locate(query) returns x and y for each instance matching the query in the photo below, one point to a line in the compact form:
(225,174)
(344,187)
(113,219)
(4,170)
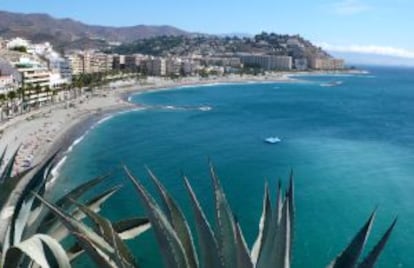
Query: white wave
(106,118)
(129,98)
(75,142)
(55,171)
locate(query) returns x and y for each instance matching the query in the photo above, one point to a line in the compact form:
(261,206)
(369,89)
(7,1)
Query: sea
(349,139)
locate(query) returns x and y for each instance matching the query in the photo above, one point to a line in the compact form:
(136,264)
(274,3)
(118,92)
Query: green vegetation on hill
(265,43)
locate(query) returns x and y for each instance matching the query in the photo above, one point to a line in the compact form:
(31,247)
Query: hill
(68,33)
(263,43)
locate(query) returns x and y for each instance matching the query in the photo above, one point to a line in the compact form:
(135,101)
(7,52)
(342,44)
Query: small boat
(273,140)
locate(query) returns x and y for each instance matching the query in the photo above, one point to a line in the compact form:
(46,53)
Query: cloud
(350,7)
(371,49)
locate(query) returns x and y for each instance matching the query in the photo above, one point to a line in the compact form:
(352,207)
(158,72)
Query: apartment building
(327,64)
(98,62)
(7,83)
(156,66)
(76,63)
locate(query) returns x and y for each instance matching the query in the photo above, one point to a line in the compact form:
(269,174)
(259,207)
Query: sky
(378,27)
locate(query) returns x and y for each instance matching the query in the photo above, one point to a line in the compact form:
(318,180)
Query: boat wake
(203,108)
(332,84)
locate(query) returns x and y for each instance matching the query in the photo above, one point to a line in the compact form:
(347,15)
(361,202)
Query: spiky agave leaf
(59,231)
(9,194)
(225,224)
(25,202)
(177,220)
(264,225)
(7,187)
(8,169)
(243,254)
(207,242)
(75,194)
(126,229)
(290,195)
(267,255)
(41,249)
(97,248)
(373,256)
(226,236)
(171,247)
(131,228)
(124,257)
(349,257)
(282,242)
(3,154)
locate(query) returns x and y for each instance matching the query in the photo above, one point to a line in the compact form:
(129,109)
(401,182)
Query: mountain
(353,58)
(68,33)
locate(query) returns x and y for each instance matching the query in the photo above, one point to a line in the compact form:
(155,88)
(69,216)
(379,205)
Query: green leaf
(131,228)
(96,247)
(264,225)
(225,224)
(276,247)
(282,244)
(170,245)
(210,256)
(75,194)
(123,255)
(373,256)
(26,201)
(34,248)
(177,220)
(8,169)
(3,154)
(291,196)
(126,229)
(349,257)
(59,232)
(243,256)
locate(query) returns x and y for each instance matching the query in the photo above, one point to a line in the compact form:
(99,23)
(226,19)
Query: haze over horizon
(340,26)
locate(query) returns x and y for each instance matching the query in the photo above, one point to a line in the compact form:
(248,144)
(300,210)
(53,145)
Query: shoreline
(56,127)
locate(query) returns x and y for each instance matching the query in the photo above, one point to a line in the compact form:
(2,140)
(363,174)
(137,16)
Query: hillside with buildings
(67,33)
(32,72)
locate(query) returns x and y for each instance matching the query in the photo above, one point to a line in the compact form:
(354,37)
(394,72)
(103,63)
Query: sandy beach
(41,132)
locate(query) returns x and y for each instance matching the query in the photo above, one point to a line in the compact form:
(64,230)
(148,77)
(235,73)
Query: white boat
(273,140)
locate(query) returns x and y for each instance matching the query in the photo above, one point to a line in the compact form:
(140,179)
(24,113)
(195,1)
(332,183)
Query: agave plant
(31,235)
(224,245)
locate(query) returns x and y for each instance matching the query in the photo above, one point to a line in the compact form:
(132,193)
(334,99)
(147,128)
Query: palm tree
(11,96)
(27,91)
(3,99)
(20,94)
(38,90)
(48,91)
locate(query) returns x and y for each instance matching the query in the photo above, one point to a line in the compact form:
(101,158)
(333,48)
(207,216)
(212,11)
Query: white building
(76,63)
(35,80)
(7,83)
(18,42)
(267,62)
(60,69)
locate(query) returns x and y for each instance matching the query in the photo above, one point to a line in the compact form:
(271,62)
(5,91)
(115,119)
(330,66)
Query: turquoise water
(351,148)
